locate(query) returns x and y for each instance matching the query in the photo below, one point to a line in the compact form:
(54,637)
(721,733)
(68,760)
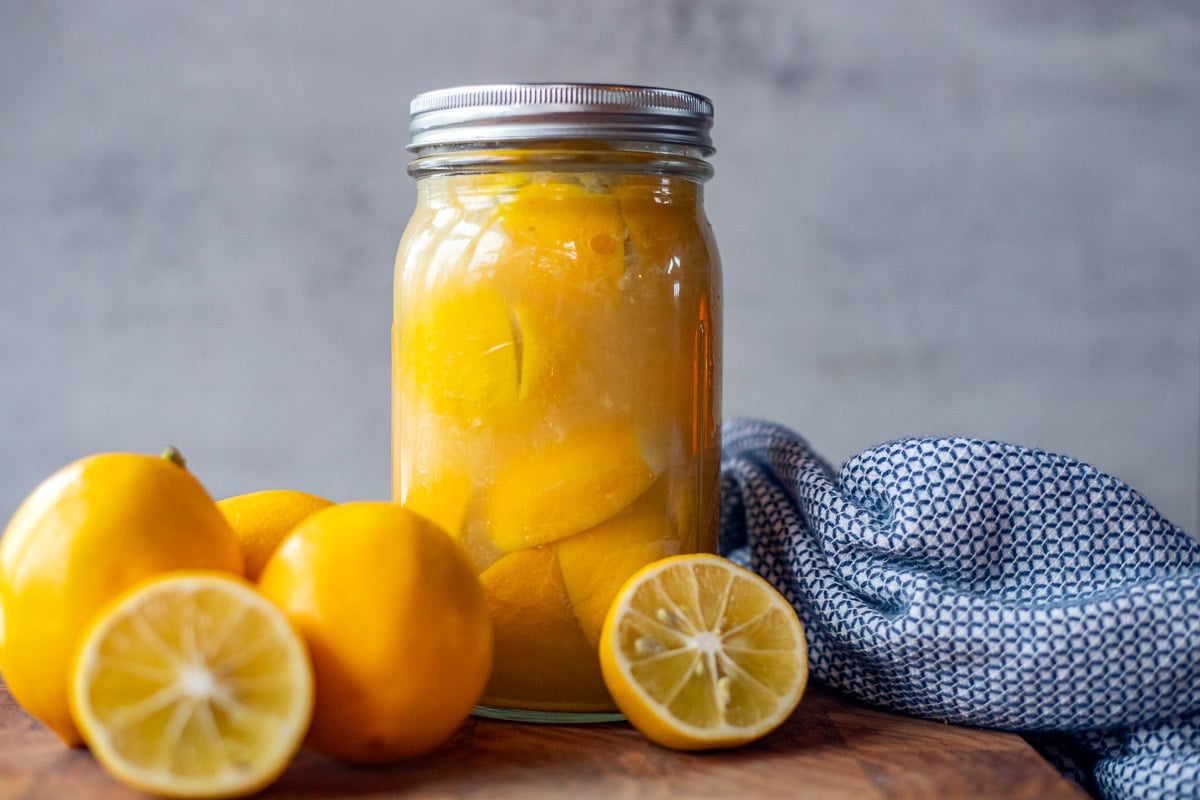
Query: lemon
(546,493)
(396,624)
(464,352)
(564,238)
(543,661)
(474,355)
(191,684)
(700,653)
(596,563)
(260,520)
(84,535)
(441,498)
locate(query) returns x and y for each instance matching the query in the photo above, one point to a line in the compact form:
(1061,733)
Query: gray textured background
(977,218)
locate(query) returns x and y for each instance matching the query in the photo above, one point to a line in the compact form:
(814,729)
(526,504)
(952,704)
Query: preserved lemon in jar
(557,360)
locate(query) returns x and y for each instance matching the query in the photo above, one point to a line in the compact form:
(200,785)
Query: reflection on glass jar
(556,360)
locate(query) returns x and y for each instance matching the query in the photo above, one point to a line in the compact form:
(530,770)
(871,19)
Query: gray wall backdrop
(936,216)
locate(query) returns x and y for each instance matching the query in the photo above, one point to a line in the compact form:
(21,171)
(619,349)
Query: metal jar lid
(510,112)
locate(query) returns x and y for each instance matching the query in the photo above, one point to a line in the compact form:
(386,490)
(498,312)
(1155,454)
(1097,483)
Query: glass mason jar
(557,360)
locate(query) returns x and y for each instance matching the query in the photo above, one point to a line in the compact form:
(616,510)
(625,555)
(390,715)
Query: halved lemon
(192,684)
(699,653)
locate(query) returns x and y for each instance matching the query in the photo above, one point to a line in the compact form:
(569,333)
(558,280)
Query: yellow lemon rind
(397,626)
(262,519)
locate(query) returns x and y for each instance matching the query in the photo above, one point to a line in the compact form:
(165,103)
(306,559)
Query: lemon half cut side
(699,653)
(192,684)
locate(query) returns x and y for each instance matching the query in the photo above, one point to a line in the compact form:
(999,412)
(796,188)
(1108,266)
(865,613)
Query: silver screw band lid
(511,112)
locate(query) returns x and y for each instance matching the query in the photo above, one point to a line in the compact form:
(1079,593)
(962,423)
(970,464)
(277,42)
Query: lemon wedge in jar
(543,659)
(548,492)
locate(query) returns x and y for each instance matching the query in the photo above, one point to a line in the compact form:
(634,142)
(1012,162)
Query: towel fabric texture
(987,585)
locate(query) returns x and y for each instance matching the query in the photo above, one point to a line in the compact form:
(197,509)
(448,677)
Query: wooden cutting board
(830,748)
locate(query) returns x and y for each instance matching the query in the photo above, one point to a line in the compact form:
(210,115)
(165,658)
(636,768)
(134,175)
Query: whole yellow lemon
(260,521)
(84,535)
(396,624)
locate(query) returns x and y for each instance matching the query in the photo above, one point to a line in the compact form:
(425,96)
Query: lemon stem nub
(173,455)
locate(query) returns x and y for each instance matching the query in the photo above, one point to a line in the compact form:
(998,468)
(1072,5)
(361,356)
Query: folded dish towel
(988,585)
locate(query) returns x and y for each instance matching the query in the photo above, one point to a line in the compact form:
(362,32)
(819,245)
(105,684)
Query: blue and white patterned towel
(988,585)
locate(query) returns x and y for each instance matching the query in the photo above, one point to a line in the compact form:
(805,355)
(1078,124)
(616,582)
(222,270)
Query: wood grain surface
(830,748)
